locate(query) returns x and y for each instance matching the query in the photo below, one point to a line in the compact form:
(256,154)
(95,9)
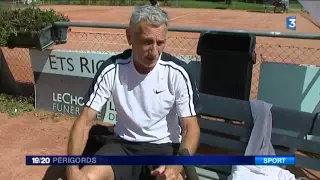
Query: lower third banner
(160,160)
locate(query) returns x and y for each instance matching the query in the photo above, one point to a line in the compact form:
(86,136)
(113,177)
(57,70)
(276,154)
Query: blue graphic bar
(160,160)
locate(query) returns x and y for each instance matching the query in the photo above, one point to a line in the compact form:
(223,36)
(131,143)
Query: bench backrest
(234,137)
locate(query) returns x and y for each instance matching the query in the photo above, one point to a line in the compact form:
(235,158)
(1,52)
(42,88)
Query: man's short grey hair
(152,15)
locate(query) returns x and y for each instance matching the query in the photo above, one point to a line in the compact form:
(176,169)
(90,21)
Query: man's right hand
(74,173)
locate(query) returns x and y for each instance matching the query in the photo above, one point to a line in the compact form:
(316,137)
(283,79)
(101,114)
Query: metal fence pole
(195,30)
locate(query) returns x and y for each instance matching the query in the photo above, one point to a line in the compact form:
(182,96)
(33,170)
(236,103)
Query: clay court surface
(210,18)
(43,133)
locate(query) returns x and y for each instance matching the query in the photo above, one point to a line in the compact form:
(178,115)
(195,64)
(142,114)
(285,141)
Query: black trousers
(103,142)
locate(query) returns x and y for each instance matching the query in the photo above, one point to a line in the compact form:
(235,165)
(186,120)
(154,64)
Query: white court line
(181,16)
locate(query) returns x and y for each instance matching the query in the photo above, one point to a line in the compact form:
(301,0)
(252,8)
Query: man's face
(148,43)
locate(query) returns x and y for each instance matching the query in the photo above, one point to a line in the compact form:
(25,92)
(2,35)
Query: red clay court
(203,18)
(34,133)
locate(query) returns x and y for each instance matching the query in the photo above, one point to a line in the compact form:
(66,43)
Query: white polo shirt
(147,105)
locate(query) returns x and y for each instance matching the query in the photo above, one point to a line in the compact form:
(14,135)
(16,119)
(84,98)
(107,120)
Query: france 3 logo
(291,23)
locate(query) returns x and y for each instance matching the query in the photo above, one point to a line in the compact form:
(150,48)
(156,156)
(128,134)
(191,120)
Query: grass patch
(14,105)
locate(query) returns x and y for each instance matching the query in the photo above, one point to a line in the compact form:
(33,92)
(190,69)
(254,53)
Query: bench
(22,1)
(234,136)
(269,4)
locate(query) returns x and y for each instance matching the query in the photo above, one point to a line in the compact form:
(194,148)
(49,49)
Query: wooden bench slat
(299,121)
(204,178)
(303,161)
(223,127)
(219,107)
(221,142)
(221,169)
(234,109)
(242,131)
(307,162)
(294,142)
(206,174)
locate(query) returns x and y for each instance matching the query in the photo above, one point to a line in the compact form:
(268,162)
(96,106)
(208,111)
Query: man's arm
(80,131)
(187,103)
(79,136)
(190,134)
(98,94)
(186,99)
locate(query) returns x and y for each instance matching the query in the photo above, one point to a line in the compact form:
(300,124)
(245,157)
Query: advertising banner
(62,79)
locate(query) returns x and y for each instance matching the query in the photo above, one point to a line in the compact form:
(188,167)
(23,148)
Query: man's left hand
(168,172)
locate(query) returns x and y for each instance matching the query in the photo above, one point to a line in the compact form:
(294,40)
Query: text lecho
(67,103)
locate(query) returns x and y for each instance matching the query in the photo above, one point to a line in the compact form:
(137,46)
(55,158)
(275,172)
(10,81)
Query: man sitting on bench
(154,3)
(155,99)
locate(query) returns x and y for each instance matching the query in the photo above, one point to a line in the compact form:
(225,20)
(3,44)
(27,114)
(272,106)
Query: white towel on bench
(260,144)
(260,173)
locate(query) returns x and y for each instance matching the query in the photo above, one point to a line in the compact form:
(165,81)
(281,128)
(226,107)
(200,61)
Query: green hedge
(28,19)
